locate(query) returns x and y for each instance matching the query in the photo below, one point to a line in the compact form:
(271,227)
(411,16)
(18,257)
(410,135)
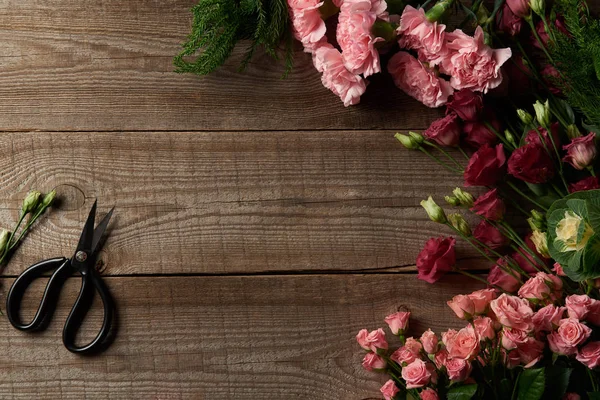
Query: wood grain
(224,338)
(107,65)
(228,202)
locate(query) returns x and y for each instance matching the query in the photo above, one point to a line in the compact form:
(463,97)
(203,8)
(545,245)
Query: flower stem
(448,155)
(516,189)
(443,164)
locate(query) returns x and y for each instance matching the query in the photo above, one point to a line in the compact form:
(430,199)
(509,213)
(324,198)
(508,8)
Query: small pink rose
(558,269)
(589,355)
(389,390)
(407,353)
(372,341)
(578,306)
(429,340)
(546,318)
(398,322)
(530,351)
(513,338)
(513,312)
(570,334)
(373,362)
(543,287)
(481,300)
(440,358)
(593,316)
(484,326)
(458,369)
(448,336)
(361,338)
(465,344)
(416,374)
(581,152)
(429,394)
(462,306)
(490,206)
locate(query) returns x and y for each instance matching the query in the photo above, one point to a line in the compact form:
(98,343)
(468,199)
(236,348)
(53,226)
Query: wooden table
(259,224)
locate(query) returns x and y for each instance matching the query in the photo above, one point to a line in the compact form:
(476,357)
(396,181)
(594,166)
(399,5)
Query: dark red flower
(436,259)
(531,163)
(533,136)
(479,134)
(508,22)
(444,131)
(466,104)
(490,235)
(551,77)
(589,183)
(490,206)
(486,166)
(540,28)
(519,75)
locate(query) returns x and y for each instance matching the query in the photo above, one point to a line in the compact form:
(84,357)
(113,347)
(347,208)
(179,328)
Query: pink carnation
(309,27)
(355,38)
(348,86)
(471,63)
(417,81)
(418,33)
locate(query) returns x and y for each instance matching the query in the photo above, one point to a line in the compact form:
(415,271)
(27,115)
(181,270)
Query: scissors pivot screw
(81,256)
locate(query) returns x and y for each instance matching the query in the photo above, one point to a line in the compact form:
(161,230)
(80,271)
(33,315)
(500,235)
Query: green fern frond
(218,25)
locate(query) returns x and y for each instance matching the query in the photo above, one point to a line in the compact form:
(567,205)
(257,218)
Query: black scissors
(83,262)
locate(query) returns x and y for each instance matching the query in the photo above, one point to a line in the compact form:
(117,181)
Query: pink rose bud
(440,358)
(416,374)
(398,322)
(490,206)
(407,353)
(373,362)
(462,306)
(448,337)
(389,390)
(581,151)
(481,300)
(466,104)
(444,131)
(372,341)
(589,355)
(465,344)
(578,306)
(546,318)
(429,340)
(458,369)
(513,312)
(502,279)
(484,327)
(558,269)
(513,338)
(542,287)
(361,338)
(429,394)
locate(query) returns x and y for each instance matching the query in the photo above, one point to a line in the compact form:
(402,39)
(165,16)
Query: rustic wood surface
(259,224)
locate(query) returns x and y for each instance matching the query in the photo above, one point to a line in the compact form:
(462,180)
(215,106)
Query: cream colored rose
(566,232)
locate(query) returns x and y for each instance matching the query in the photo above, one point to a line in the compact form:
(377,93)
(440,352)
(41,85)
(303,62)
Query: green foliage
(557,381)
(464,392)
(577,58)
(218,25)
(531,384)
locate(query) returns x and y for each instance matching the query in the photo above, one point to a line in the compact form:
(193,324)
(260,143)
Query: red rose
(436,259)
(589,183)
(531,163)
(444,131)
(533,136)
(486,166)
(490,235)
(508,22)
(466,104)
(490,206)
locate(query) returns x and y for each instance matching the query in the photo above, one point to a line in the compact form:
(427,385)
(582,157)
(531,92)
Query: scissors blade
(87,235)
(100,229)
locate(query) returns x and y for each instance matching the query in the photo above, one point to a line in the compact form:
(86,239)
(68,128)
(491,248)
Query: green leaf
(464,392)
(594,395)
(567,110)
(557,381)
(591,258)
(531,384)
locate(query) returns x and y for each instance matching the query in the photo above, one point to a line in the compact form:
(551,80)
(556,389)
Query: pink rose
(478,134)
(407,353)
(448,336)
(511,358)
(308,26)
(530,351)
(416,32)
(372,341)
(593,316)
(458,369)
(489,235)
(354,36)
(440,358)
(471,63)
(429,394)
(348,86)
(484,327)
(373,362)
(570,334)
(519,7)
(481,299)
(417,81)
(490,206)
(436,259)
(465,344)
(389,390)
(581,151)
(558,269)
(416,374)
(546,318)
(499,277)
(508,22)
(578,306)
(466,104)
(589,183)
(429,340)
(589,355)
(512,338)
(543,287)
(462,306)
(513,312)
(398,322)
(444,131)
(486,166)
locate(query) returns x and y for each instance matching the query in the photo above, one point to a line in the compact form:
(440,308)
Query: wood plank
(107,65)
(228,202)
(224,338)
